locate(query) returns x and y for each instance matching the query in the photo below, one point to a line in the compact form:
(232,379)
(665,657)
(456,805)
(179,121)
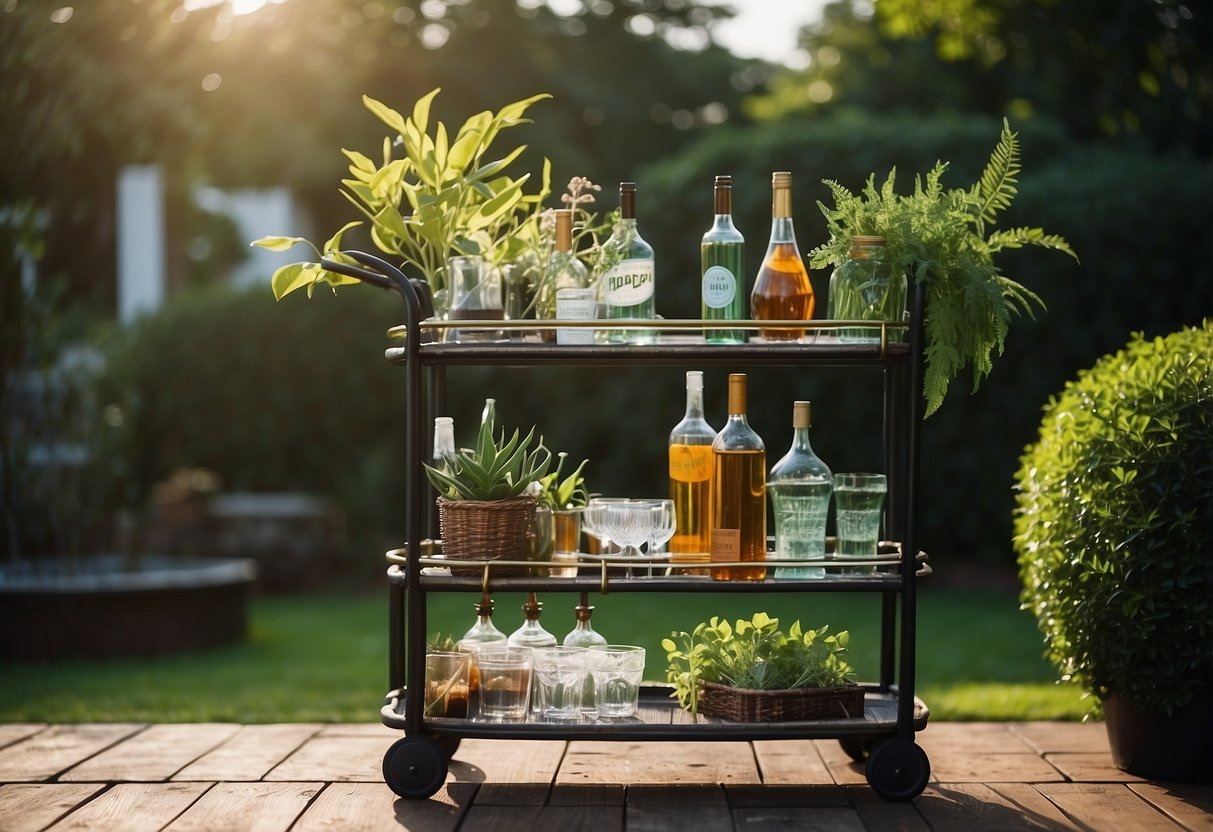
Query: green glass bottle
(722,267)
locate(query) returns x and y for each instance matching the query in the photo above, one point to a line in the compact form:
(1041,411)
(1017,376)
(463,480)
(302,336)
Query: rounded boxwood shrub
(1114,523)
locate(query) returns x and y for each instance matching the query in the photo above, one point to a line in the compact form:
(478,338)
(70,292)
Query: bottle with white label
(722,264)
(627,287)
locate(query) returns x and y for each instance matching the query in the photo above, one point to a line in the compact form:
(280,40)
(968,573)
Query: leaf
(278,243)
(998,180)
(289,278)
(421,110)
(385,114)
(334,243)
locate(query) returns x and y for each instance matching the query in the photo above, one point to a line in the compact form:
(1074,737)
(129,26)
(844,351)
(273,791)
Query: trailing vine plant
(944,239)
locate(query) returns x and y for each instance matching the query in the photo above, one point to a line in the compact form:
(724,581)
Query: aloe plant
(494,469)
(443,197)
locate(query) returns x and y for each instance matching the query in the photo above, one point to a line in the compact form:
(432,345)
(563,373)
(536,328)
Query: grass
(325,658)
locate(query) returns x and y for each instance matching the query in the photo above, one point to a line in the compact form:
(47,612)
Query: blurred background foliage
(1114,102)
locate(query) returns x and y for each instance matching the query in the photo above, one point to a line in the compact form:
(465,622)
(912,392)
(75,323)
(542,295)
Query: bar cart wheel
(898,769)
(857,748)
(415,767)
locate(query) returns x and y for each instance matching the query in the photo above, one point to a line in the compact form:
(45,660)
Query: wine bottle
(627,287)
(690,452)
(782,290)
(800,485)
(564,270)
(722,263)
(739,494)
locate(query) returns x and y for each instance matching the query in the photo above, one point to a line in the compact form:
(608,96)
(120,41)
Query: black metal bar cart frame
(883,737)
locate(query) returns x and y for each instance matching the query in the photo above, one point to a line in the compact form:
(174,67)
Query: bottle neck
(782,230)
(694,403)
(800,440)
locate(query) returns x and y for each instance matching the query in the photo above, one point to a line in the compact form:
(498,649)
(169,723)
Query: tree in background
(1124,69)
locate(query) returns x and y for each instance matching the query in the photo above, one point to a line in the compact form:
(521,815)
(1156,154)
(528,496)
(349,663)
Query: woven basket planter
(747,705)
(486,530)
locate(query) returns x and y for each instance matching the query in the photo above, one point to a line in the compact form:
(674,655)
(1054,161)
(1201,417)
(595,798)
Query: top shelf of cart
(836,343)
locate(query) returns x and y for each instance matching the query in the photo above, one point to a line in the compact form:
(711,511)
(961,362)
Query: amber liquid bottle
(690,452)
(782,290)
(739,493)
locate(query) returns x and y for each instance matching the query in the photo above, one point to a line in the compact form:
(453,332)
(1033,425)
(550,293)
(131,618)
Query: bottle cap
(867,240)
(802,414)
(736,393)
(695,381)
(781,179)
(722,195)
(532,608)
(564,229)
(627,200)
(484,606)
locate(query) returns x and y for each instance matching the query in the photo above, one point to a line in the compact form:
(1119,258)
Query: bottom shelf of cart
(659,718)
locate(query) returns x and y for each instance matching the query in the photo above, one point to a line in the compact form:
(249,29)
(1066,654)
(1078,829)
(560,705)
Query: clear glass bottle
(722,268)
(628,286)
(739,494)
(564,269)
(484,631)
(444,443)
(782,290)
(532,634)
(864,288)
(800,486)
(583,634)
(489,414)
(690,452)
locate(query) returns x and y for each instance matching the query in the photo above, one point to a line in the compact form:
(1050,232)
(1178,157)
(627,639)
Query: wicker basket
(748,705)
(486,530)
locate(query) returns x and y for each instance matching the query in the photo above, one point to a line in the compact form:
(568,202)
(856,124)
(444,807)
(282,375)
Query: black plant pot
(1178,748)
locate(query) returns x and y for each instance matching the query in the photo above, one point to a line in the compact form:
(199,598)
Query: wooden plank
(361,729)
(152,755)
(133,807)
(658,808)
(513,794)
(965,807)
(659,763)
(1091,768)
(1106,806)
(586,794)
(1071,737)
(879,814)
(790,761)
(17,731)
(334,759)
(783,796)
(372,807)
(247,807)
(508,761)
(799,820)
(987,767)
(844,770)
(1189,806)
(532,818)
(947,738)
(49,752)
(249,754)
(28,807)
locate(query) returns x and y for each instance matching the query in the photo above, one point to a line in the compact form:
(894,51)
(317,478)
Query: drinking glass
(630,524)
(858,500)
(617,670)
(505,683)
(447,684)
(475,295)
(560,674)
(593,520)
(663,524)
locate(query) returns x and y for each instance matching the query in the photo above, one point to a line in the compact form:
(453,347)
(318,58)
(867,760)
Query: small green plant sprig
(563,494)
(494,469)
(756,655)
(939,237)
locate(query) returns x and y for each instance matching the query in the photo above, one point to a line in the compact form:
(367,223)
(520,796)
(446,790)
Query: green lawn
(325,658)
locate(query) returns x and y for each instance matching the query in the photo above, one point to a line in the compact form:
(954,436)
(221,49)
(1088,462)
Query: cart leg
(898,769)
(415,767)
(448,744)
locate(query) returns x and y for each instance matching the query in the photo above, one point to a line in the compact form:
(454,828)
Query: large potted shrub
(1114,535)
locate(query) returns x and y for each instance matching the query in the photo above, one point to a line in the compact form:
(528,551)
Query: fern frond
(1025,236)
(998,180)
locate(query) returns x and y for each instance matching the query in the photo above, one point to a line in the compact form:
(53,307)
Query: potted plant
(1114,535)
(484,511)
(943,239)
(754,672)
(558,513)
(443,197)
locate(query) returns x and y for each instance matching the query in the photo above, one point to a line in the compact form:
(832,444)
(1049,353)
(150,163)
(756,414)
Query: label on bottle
(690,463)
(726,545)
(628,283)
(719,287)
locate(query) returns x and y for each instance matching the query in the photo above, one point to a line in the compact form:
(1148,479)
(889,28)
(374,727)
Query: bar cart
(416,766)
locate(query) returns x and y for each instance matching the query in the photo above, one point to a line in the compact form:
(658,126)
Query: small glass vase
(864,287)
(475,295)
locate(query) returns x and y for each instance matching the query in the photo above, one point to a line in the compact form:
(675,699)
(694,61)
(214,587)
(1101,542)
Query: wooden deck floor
(214,777)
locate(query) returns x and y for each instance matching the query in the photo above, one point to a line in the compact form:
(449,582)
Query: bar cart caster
(898,769)
(416,767)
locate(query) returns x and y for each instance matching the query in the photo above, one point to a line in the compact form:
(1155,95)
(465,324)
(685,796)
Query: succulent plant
(494,470)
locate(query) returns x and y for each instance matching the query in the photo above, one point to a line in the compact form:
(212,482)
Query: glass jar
(864,287)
